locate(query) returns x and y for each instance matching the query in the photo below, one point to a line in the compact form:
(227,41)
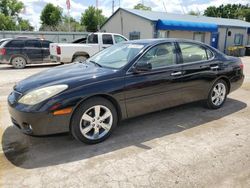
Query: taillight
(58,50)
(2,51)
(241,66)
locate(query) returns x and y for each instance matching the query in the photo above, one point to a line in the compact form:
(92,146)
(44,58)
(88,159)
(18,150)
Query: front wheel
(217,95)
(94,120)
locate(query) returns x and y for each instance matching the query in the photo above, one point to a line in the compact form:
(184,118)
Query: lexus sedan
(129,79)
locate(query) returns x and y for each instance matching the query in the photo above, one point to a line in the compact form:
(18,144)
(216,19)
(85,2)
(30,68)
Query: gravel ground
(186,146)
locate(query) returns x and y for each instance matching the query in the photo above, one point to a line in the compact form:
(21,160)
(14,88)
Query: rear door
(199,70)
(107,40)
(33,49)
(158,88)
(45,50)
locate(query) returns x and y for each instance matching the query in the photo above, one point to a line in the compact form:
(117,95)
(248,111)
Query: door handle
(176,73)
(214,67)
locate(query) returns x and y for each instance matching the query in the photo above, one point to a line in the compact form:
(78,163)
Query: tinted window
(45,43)
(117,55)
(119,39)
(15,44)
(160,56)
(107,39)
(93,39)
(192,52)
(210,55)
(33,44)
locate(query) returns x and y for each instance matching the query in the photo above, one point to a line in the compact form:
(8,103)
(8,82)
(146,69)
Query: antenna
(164,6)
(181,4)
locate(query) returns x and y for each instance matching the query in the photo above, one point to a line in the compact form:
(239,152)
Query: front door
(214,40)
(155,89)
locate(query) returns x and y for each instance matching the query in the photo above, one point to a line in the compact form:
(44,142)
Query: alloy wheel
(96,122)
(218,94)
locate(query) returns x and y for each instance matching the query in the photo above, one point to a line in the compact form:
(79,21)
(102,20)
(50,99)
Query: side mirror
(142,67)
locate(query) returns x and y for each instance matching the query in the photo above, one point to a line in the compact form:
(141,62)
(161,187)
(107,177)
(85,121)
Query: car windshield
(117,55)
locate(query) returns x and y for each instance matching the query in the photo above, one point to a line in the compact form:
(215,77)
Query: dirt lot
(187,146)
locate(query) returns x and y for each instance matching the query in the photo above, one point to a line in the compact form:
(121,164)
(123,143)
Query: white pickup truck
(95,42)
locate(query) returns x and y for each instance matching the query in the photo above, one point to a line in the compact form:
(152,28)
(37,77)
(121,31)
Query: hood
(83,73)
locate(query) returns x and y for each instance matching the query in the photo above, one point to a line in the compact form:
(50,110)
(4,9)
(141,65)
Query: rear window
(33,44)
(192,52)
(93,39)
(107,39)
(15,44)
(45,43)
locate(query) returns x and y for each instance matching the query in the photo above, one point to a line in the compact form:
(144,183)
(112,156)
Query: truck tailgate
(52,48)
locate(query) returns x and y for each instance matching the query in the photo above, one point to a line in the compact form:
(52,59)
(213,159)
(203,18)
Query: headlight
(39,95)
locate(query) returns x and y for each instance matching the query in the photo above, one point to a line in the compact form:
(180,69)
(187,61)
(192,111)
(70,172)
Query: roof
(155,16)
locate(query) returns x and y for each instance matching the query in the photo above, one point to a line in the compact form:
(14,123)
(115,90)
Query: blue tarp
(185,26)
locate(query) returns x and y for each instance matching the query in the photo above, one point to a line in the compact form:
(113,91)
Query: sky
(33,8)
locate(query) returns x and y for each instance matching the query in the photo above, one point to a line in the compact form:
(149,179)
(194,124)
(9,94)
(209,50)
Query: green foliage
(9,16)
(140,6)
(51,16)
(24,25)
(74,25)
(7,23)
(194,13)
(234,11)
(11,7)
(91,18)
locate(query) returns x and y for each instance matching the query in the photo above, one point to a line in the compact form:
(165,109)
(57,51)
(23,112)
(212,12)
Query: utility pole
(113,7)
(97,12)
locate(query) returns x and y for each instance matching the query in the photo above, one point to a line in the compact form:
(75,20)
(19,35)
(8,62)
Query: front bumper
(39,123)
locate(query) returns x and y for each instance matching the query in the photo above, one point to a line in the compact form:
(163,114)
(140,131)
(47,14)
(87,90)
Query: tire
(80,58)
(90,128)
(18,62)
(217,95)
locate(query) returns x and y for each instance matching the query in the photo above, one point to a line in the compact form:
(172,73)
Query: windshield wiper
(95,63)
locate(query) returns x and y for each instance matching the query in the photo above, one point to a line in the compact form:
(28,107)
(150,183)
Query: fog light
(27,127)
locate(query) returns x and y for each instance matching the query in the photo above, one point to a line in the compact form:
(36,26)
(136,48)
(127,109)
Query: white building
(218,32)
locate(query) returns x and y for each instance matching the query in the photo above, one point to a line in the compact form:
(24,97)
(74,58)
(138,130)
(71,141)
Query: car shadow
(30,66)
(34,152)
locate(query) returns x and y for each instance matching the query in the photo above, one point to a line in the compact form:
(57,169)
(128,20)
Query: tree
(7,23)
(74,25)
(194,13)
(140,6)
(11,7)
(226,11)
(51,16)
(24,25)
(9,16)
(91,18)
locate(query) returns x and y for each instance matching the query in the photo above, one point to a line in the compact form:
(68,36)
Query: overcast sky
(33,7)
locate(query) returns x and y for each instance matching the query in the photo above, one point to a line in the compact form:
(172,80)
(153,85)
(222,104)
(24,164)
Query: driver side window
(160,56)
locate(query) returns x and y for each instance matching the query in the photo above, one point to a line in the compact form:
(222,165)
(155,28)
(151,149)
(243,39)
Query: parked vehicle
(125,80)
(22,51)
(95,42)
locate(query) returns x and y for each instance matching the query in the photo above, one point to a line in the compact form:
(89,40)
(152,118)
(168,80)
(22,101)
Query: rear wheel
(80,58)
(217,95)
(18,62)
(94,120)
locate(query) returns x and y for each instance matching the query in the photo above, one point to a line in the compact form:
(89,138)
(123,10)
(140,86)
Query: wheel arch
(21,55)
(224,78)
(80,54)
(105,96)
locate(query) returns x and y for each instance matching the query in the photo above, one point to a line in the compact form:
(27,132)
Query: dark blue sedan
(125,80)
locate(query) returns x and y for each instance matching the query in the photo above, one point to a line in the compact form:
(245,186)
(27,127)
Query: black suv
(21,51)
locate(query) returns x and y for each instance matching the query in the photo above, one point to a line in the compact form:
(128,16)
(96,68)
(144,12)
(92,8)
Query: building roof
(155,16)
